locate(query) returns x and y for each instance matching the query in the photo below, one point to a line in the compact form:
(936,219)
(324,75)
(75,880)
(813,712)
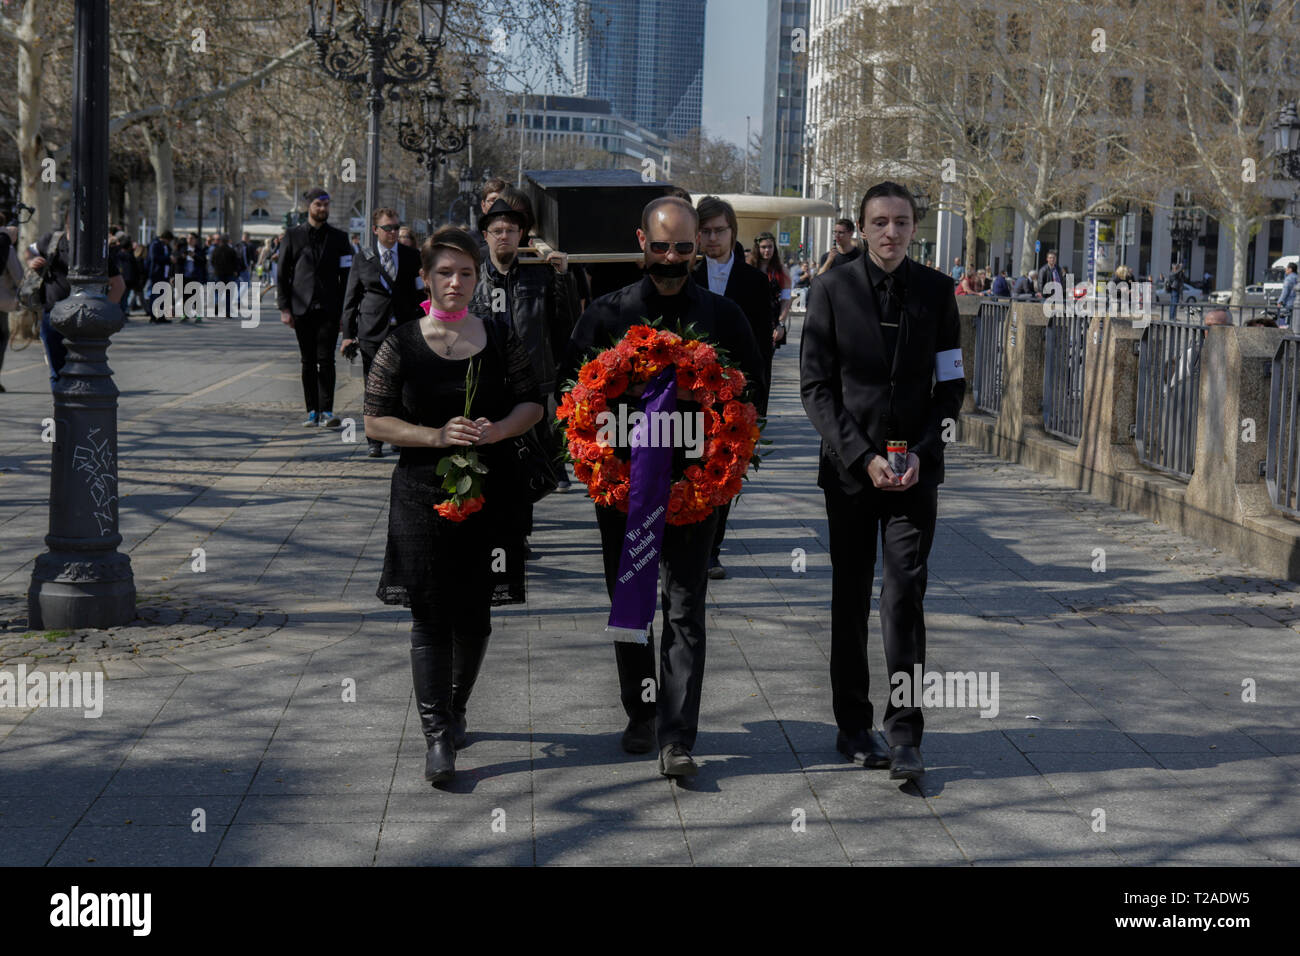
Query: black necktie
(891,310)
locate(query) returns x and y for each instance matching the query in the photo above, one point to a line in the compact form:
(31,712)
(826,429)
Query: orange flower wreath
(731,429)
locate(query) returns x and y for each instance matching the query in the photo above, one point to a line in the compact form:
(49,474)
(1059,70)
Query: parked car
(1190,294)
(1255,295)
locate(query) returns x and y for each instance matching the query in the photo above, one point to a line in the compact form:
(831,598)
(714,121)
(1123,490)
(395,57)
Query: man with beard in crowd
(669,238)
(315,259)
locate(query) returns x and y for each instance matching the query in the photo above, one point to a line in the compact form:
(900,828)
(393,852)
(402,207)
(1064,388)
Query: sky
(735,37)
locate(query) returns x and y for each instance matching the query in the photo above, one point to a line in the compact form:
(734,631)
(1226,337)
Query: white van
(1276,273)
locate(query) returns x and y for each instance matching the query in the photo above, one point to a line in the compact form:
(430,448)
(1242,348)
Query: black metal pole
(82,580)
(431,163)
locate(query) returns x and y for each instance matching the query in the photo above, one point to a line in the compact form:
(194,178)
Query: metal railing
(1169,376)
(986,383)
(1065,344)
(1282,462)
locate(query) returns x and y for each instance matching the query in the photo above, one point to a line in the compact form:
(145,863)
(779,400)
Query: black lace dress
(430,560)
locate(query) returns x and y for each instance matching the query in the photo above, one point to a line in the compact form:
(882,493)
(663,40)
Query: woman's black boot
(467,660)
(431,674)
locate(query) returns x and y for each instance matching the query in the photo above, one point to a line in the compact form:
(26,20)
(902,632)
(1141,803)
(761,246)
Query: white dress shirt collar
(719,272)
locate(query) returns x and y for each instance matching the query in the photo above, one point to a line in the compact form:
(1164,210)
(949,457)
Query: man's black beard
(668,270)
(507,258)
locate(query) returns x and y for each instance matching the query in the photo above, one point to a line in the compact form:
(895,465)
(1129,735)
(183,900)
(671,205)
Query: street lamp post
(1185,222)
(83,580)
(1286,148)
(376,58)
(439,134)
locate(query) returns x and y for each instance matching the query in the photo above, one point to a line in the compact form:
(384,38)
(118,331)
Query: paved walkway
(1120,691)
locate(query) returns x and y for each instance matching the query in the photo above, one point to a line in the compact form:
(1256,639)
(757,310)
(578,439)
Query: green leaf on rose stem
(479,467)
(449,483)
(444,466)
(464,485)
(460,461)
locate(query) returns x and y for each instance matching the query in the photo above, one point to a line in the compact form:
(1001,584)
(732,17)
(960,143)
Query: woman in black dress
(450,573)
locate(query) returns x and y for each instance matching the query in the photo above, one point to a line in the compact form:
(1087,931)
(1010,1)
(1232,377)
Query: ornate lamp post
(1286,149)
(922,203)
(1286,141)
(439,133)
(1185,222)
(83,580)
(374,57)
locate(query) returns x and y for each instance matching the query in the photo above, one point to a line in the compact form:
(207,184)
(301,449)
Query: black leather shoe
(639,737)
(675,761)
(440,760)
(716,571)
(864,747)
(905,762)
(376,451)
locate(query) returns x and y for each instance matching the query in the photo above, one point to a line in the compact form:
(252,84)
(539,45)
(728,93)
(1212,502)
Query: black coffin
(589,210)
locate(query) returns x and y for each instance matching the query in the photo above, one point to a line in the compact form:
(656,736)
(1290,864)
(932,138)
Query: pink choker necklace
(442,316)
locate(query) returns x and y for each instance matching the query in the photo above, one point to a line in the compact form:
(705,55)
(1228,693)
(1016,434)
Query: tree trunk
(32,46)
(1028,236)
(160,158)
(1240,226)
(130,206)
(968,260)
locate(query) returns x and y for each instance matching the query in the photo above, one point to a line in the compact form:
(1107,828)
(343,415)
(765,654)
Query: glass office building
(646,57)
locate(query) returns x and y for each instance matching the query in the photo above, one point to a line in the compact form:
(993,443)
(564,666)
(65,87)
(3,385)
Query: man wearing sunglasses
(381,294)
(669,237)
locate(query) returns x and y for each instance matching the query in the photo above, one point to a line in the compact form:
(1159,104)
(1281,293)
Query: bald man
(670,238)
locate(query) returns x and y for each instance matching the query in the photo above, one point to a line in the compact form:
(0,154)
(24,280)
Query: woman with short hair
(450,572)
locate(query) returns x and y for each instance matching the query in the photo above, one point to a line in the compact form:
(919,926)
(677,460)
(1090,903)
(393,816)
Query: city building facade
(650,75)
(784,96)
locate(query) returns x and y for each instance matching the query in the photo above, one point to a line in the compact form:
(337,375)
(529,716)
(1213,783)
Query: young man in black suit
(724,272)
(669,237)
(381,294)
(314,262)
(880,361)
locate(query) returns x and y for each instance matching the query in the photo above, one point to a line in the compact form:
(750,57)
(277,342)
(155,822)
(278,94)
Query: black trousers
(317,333)
(368,352)
(683,587)
(904,521)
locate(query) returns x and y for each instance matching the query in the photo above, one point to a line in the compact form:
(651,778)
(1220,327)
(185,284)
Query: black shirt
(890,317)
(841,257)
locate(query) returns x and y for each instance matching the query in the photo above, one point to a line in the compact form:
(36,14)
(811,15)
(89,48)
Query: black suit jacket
(857,397)
(749,289)
(372,298)
(304,281)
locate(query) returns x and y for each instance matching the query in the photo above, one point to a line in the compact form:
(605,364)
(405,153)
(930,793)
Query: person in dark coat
(314,261)
(724,272)
(669,237)
(381,295)
(540,300)
(880,362)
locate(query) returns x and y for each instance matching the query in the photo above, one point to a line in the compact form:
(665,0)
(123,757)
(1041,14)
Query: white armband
(947,365)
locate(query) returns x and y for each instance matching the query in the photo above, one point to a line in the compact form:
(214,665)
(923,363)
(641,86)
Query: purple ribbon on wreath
(637,585)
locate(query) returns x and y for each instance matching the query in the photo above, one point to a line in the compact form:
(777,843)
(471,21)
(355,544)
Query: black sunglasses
(661,246)
(392,228)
